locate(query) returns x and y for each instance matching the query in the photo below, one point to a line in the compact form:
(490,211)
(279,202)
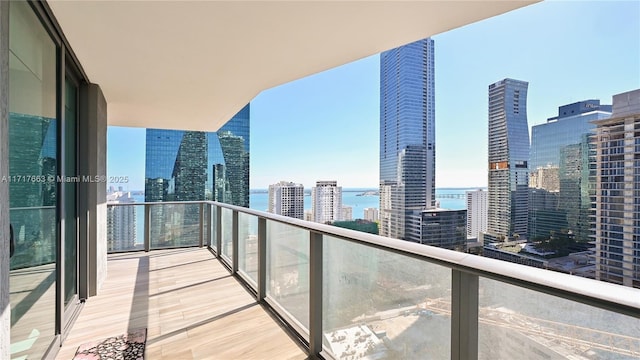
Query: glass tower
(407,137)
(194,165)
(508,160)
(561,183)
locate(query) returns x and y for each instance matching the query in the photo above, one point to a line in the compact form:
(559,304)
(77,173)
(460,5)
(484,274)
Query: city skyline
(344,100)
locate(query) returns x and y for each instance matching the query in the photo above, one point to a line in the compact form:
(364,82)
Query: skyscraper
(326,201)
(476,213)
(407,137)
(190,168)
(561,182)
(228,175)
(508,160)
(194,165)
(121,223)
(617,217)
(287,198)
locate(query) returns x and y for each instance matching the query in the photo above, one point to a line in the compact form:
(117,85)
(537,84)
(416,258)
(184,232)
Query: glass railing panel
(287,275)
(248,246)
(227,234)
(125,228)
(517,323)
(382,305)
(174,225)
(206,224)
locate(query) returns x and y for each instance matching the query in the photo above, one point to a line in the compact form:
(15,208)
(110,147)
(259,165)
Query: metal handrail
(620,299)
(33,208)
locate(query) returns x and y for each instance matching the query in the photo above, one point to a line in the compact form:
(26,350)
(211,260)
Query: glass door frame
(69,311)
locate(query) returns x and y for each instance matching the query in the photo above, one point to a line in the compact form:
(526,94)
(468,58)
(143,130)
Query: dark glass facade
(444,228)
(195,165)
(508,160)
(407,137)
(561,185)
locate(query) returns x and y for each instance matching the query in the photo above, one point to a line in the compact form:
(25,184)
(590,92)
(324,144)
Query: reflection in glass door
(33,197)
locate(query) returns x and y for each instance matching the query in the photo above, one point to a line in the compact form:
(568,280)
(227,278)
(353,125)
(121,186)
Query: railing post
(201,222)
(262,259)
(464,316)
(218,230)
(315,294)
(234,242)
(147,227)
(209,226)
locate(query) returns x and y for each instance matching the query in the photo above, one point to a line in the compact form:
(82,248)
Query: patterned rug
(124,347)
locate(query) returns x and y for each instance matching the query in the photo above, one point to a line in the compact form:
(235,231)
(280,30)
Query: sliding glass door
(33,192)
(43,184)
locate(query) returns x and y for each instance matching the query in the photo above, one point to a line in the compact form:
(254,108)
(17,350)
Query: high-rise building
(347,213)
(121,222)
(287,198)
(617,213)
(326,201)
(407,137)
(444,228)
(561,178)
(508,160)
(195,165)
(476,213)
(371,214)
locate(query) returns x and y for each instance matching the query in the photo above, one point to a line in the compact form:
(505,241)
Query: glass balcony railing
(351,295)
(125,227)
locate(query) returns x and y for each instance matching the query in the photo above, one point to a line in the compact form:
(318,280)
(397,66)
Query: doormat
(124,347)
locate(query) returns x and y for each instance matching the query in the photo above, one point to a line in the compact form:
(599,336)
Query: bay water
(259,200)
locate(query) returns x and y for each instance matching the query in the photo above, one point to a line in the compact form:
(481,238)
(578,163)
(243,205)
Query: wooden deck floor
(190,304)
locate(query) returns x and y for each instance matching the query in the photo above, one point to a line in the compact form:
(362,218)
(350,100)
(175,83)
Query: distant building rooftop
(580,107)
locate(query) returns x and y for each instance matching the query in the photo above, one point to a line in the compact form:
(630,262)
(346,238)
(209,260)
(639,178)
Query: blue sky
(326,125)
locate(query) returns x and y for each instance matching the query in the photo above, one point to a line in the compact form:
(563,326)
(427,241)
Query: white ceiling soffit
(193,64)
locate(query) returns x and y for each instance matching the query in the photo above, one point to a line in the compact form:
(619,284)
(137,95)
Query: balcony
(190,304)
(220,281)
